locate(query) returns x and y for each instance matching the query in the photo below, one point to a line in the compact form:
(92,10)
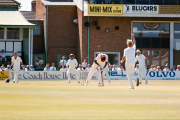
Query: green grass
(60,100)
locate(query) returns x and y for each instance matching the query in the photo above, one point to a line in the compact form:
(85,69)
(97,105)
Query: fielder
(16,61)
(142,70)
(129,56)
(72,63)
(101,60)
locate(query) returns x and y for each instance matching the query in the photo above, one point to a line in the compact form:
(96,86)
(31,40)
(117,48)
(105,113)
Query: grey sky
(25,5)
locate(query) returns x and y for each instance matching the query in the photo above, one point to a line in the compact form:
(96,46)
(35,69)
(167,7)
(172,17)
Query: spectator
(158,68)
(67,68)
(8,68)
(23,68)
(114,68)
(178,68)
(120,68)
(155,67)
(88,68)
(152,68)
(27,68)
(80,68)
(3,55)
(166,68)
(62,62)
(84,64)
(110,68)
(47,67)
(174,68)
(2,68)
(63,69)
(137,68)
(37,61)
(53,68)
(146,67)
(31,68)
(41,61)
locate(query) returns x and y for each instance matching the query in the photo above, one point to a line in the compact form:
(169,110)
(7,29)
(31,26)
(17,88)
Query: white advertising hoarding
(57,75)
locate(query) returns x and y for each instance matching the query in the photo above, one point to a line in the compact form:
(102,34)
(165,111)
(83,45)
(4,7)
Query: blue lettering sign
(113,73)
(152,75)
(158,74)
(172,74)
(165,75)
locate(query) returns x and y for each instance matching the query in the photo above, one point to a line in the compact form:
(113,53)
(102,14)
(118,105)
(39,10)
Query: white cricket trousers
(142,72)
(100,78)
(70,70)
(130,73)
(90,74)
(16,73)
(106,72)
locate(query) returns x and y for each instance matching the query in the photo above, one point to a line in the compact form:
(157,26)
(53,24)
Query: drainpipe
(46,30)
(88,41)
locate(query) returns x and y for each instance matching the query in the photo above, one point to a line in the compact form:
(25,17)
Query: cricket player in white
(142,70)
(106,72)
(72,63)
(129,56)
(101,60)
(16,61)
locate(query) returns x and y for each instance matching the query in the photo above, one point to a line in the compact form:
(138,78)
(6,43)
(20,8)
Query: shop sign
(169,9)
(152,9)
(105,9)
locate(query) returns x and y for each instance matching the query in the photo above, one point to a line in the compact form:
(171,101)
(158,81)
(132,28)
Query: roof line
(17,2)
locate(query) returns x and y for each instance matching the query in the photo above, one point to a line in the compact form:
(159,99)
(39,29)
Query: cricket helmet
(103,58)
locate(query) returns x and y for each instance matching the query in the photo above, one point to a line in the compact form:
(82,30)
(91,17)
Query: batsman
(101,60)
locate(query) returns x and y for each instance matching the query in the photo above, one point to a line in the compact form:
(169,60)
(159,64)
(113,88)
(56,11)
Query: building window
(13,33)
(113,57)
(1,33)
(38,30)
(153,40)
(177,30)
(152,35)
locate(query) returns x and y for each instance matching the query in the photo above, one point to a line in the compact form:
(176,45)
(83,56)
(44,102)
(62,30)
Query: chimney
(33,5)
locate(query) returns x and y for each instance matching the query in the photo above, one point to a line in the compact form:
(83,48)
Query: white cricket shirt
(129,53)
(141,59)
(72,63)
(16,62)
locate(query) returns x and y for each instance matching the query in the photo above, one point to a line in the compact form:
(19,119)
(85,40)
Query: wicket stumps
(83,78)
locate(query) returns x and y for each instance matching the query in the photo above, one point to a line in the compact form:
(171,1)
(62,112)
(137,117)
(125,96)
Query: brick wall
(41,14)
(38,43)
(33,6)
(83,35)
(62,32)
(115,41)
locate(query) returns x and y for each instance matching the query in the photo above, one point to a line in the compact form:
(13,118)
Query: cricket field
(60,100)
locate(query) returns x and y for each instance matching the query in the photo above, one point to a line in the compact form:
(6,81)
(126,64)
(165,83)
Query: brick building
(106,27)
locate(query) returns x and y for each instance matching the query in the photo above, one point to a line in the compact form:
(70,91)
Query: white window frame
(110,53)
(4,35)
(20,35)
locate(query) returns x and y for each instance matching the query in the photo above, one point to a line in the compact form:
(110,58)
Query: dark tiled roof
(9,3)
(29,15)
